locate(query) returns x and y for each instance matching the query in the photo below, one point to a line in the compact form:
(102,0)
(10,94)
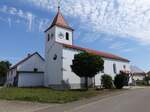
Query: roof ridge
(101,53)
(59,20)
(26,58)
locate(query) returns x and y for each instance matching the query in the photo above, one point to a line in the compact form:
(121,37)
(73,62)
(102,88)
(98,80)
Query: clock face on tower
(61,35)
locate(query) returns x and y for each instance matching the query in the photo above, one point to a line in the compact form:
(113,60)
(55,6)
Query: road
(133,101)
(136,100)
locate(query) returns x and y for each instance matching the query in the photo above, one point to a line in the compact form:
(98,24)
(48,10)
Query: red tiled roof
(28,57)
(59,21)
(102,54)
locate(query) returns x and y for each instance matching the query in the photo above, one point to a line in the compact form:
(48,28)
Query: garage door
(30,79)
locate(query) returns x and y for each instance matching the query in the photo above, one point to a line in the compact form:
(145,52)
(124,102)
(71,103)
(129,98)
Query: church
(54,69)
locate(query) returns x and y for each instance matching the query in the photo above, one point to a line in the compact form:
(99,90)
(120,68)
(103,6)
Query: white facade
(55,71)
(60,75)
(24,75)
(75,81)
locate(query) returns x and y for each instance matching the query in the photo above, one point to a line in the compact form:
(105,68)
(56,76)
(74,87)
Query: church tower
(59,30)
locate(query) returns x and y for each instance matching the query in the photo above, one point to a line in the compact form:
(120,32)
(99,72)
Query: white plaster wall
(30,79)
(34,62)
(72,78)
(11,75)
(63,40)
(53,68)
(49,44)
(108,66)
(68,75)
(29,65)
(108,69)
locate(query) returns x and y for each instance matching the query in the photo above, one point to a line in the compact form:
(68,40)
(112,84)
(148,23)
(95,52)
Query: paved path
(136,100)
(133,101)
(15,106)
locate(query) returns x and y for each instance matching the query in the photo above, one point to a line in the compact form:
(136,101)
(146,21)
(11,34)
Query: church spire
(58,8)
(59,21)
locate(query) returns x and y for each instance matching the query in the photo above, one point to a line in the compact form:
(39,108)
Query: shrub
(146,80)
(106,81)
(119,81)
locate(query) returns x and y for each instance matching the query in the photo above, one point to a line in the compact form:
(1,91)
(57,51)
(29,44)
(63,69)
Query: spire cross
(58,1)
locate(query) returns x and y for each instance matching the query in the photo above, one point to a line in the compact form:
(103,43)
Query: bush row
(120,80)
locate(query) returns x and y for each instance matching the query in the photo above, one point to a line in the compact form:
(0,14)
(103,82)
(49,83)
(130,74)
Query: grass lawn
(46,95)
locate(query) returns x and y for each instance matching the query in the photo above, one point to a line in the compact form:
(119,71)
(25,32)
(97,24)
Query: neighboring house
(59,53)
(29,72)
(148,73)
(137,73)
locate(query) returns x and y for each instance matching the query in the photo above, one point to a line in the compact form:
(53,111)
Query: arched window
(67,36)
(55,57)
(114,68)
(124,66)
(48,38)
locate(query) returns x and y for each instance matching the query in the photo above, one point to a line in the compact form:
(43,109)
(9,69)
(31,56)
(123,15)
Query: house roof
(100,53)
(135,69)
(59,21)
(25,59)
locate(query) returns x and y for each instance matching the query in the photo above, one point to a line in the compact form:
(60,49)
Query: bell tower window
(67,36)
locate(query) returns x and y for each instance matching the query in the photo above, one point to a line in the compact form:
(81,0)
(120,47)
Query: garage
(32,79)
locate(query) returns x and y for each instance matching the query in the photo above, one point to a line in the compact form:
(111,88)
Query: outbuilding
(28,72)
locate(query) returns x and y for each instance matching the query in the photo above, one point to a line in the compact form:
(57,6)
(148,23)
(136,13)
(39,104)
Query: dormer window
(67,36)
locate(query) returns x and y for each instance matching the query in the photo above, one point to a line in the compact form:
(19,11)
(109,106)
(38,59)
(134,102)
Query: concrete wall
(30,79)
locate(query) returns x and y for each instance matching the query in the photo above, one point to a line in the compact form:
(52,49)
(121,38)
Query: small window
(52,35)
(48,38)
(114,68)
(124,66)
(35,70)
(67,36)
(55,57)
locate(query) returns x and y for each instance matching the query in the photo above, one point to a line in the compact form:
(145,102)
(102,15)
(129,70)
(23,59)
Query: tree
(121,80)
(4,67)
(106,81)
(146,80)
(87,65)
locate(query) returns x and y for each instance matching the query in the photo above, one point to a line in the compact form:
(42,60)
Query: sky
(121,27)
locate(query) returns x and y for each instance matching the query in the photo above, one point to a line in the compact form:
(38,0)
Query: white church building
(54,70)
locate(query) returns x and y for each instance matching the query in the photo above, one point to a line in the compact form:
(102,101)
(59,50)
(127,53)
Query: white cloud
(128,50)
(28,17)
(117,45)
(127,18)
(9,22)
